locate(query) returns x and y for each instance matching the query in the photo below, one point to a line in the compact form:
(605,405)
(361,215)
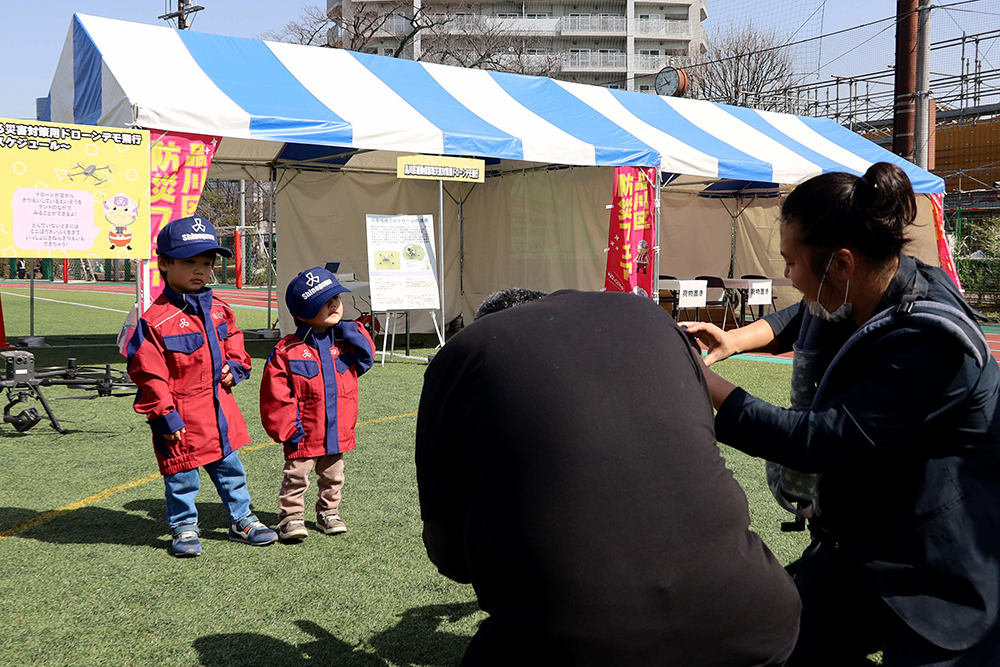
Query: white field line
(68,303)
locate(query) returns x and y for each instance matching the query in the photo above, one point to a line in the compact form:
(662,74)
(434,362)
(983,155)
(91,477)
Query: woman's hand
(721,344)
(175,436)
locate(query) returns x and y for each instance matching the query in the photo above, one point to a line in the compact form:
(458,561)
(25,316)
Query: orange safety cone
(3,332)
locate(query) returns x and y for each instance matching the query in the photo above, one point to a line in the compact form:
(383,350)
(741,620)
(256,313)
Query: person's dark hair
(869,214)
(507,298)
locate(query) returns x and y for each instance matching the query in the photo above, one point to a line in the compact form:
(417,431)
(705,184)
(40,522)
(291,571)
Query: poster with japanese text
(179,164)
(631,236)
(402,262)
(75,191)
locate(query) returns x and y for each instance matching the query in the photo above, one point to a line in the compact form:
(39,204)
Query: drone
(89,172)
(23,382)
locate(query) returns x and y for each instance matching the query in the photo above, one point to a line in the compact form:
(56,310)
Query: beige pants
(291,500)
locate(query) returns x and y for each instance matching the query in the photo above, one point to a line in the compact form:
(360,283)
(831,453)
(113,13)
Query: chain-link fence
(255,248)
(975,234)
(89,270)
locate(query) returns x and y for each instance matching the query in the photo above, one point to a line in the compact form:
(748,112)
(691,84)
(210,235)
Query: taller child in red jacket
(186,355)
(309,399)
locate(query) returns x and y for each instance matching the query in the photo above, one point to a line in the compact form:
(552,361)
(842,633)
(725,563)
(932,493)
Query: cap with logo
(312,288)
(188,237)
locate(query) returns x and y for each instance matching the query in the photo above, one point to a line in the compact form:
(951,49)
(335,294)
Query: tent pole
(441,255)
(656,224)
(270,246)
(461,256)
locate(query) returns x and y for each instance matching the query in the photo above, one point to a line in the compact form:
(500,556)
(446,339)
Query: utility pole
(184,8)
(922,122)
(906,78)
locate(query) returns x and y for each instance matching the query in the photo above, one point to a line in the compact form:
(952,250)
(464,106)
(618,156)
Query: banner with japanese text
(945,257)
(73,191)
(631,233)
(179,164)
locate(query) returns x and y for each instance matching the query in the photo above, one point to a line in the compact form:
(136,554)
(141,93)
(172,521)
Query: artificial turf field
(86,578)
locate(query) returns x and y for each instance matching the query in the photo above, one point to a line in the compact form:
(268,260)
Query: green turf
(97,586)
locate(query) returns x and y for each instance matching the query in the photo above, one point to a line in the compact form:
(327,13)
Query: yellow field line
(97,497)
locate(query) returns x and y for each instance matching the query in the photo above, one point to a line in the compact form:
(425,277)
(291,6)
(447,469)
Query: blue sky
(32,33)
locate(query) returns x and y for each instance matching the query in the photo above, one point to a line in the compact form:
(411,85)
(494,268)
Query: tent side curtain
(298,95)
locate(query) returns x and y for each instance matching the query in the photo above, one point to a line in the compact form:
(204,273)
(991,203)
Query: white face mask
(842,313)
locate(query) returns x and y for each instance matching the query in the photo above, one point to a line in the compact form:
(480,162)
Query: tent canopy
(309,105)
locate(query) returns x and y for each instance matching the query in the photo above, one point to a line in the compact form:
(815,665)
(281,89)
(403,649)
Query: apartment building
(619,44)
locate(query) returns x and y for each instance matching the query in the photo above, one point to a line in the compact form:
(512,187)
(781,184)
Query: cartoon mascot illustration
(120,211)
(642,257)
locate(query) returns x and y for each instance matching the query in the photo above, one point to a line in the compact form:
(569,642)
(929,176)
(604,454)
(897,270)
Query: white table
(754,291)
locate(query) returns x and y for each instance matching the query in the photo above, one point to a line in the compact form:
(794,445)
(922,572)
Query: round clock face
(667,82)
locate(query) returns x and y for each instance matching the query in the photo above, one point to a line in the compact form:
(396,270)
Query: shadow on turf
(143,525)
(416,640)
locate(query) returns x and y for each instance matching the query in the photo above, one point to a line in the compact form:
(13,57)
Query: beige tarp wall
(541,229)
(757,241)
(321,218)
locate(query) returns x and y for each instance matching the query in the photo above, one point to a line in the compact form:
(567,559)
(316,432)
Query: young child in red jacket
(186,354)
(309,399)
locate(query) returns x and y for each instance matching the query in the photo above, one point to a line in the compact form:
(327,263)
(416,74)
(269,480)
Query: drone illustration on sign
(89,172)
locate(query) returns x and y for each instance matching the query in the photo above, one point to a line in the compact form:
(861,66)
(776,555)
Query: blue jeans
(230,480)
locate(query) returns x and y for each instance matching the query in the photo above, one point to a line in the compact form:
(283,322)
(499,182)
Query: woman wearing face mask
(904,429)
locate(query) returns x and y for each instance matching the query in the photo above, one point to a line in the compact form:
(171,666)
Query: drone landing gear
(25,419)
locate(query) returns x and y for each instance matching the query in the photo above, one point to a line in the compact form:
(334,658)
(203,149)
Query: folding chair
(760,308)
(672,299)
(724,299)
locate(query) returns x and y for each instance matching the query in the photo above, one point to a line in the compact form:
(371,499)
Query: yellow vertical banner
(73,191)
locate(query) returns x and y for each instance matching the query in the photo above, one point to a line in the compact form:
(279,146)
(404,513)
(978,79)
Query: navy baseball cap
(307,293)
(188,237)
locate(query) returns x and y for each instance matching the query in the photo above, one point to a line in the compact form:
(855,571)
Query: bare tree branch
(743,67)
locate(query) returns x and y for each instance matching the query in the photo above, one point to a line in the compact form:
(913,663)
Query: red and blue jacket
(175,356)
(309,390)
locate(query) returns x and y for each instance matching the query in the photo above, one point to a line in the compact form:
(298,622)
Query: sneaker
(186,544)
(251,531)
(330,524)
(293,530)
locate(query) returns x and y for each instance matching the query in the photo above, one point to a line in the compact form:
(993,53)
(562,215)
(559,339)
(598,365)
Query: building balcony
(662,28)
(593,25)
(395,26)
(471,24)
(593,62)
(647,64)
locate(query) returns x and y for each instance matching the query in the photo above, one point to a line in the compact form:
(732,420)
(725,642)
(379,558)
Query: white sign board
(402,262)
(759,293)
(691,293)
(687,293)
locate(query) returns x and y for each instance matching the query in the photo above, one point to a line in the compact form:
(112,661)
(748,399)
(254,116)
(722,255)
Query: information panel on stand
(73,191)
(402,262)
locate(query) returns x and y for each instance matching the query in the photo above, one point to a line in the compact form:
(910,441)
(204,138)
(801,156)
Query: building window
(645,89)
(536,16)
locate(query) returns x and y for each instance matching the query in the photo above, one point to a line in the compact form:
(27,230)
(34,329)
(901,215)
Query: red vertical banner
(179,164)
(238,254)
(631,233)
(945,257)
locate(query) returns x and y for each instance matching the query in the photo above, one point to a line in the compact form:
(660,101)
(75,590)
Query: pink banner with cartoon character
(179,164)
(944,250)
(631,233)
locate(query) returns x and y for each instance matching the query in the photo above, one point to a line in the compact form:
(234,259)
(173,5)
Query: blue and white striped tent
(299,110)
(123,74)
